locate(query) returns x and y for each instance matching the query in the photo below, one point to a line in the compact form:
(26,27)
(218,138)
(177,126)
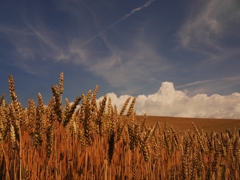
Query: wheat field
(90,140)
(184,123)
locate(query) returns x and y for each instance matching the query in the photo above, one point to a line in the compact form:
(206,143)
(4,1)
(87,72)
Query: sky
(179,58)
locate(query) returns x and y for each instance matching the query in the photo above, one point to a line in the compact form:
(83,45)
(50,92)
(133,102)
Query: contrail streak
(121,19)
(195,83)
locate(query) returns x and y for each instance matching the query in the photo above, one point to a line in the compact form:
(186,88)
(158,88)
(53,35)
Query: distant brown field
(217,125)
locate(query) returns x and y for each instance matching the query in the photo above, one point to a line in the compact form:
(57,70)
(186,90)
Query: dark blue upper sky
(126,47)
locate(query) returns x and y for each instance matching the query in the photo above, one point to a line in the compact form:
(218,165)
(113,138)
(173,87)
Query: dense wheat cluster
(90,140)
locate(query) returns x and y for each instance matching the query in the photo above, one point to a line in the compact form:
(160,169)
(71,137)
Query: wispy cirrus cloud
(232,78)
(32,45)
(131,68)
(209,28)
(194,83)
(211,86)
(30,42)
(225,79)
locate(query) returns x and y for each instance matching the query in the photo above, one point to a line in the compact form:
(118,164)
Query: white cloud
(120,100)
(171,102)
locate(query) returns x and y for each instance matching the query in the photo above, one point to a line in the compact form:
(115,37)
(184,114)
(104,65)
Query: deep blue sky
(125,46)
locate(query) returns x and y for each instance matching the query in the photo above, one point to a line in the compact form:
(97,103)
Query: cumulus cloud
(168,101)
